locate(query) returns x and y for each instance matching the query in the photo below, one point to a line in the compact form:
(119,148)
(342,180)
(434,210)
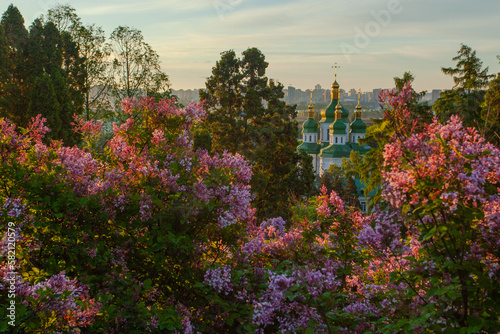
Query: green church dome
(358,126)
(338,127)
(328,114)
(310,126)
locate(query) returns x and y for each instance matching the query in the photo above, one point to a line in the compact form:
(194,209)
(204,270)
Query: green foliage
(333,180)
(246,116)
(5,68)
(44,54)
(13,24)
(467,96)
(351,193)
(15,88)
(491,112)
(136,65)
(468,74)
(43,100)
(342,181)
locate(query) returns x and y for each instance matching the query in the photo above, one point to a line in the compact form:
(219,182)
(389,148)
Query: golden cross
(335,67)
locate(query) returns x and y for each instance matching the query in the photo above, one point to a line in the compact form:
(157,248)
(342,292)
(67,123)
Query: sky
(372,41)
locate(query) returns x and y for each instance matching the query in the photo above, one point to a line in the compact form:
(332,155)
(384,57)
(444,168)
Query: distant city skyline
(371,40)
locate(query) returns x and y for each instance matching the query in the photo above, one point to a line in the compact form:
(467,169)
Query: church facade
(335,137)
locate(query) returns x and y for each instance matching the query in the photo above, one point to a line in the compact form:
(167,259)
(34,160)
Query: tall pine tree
(467,96)
(5,70)
(247,116)
(16,87)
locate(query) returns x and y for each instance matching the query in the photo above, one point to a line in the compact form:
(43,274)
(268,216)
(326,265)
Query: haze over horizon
(371,40)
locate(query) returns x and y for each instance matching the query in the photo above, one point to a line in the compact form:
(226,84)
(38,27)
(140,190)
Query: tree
(223,96)
(425,261)
(53,54)
(351,193)
(468,74)
(94,52)
(65,19)
(43,100)
(136,65)
(246,116)
(13,24)
(5,69)
(491,111)
(16,87)
(467,96)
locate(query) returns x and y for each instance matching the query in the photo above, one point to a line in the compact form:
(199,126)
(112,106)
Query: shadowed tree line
(59,67)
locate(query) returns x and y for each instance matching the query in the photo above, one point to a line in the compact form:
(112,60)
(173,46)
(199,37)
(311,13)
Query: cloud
(177,6)
(301,38)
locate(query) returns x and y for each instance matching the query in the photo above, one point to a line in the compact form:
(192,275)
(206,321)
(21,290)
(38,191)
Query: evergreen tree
(467,96)
(247,116)
(16,88)
(5,70)
(43,100)
(491,112)
(223,96)
(468,74)
(333,179)
(351,193)
(54,55)
(13,24)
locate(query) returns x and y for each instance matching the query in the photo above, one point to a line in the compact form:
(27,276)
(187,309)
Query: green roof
(358,126)
(310,148)
(336,151)
(310,126)
(338,127)
(362,149)
(330,113)
(361,188)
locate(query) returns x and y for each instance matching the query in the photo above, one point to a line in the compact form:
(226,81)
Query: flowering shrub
(131,224)
(150,235)
(426,259)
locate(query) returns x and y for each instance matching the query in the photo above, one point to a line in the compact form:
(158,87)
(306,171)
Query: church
(335,137)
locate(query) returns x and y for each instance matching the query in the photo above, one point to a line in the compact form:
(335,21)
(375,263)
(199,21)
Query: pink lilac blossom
(90,128)
(452,156)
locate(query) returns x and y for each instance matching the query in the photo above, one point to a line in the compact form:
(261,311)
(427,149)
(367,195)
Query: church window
(336,140)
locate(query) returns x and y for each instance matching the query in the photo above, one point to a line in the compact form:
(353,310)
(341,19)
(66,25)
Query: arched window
(336,140)
(341,140)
